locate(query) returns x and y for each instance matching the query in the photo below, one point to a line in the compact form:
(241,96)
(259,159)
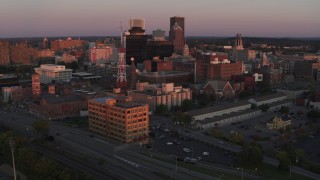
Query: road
(129,165)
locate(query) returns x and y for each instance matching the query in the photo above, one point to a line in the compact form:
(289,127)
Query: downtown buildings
(119,119)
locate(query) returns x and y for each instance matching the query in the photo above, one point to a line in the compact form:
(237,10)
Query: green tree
(284,110)
(182,117)
(284,161)
(236,138)
(255,155)
(186,104)
(161,109)
(217,133)
(313,114)
(41,127)
(264,107)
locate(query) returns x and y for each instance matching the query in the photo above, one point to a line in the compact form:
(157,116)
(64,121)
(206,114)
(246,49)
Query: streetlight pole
(11,144)
(241,173)
(290,172)
(176,163)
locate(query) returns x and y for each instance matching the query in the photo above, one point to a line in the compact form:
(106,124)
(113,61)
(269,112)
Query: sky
(263,18)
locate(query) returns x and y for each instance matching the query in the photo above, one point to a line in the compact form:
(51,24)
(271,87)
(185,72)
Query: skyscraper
(176,34)
(136,23)
(179,21)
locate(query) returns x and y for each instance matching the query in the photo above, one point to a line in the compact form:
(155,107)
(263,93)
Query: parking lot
(167,141)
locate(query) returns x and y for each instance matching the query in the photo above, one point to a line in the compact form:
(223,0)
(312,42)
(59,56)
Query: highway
(125,164)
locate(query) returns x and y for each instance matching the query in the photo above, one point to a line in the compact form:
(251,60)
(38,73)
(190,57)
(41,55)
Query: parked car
(205,153)
(186,150)
(169,143)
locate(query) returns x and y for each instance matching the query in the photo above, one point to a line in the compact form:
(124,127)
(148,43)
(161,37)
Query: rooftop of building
(53,99)
(101,100)
(8,76)
(164,73)
(269,96)
(216,108)
(225,116)
(129,104)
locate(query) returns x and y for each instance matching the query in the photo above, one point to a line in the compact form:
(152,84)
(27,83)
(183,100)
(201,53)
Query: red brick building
(4,53)
(156,65)
(69,43)
(22,54)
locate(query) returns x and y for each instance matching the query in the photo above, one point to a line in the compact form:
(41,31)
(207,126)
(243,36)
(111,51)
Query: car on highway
(162,136)
(166,130)
(186,150)
(169,143)
(205,153)
(190,160)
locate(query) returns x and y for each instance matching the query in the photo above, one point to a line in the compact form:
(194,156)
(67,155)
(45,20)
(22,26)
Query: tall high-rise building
(4,53)
(136,45)
(137,23)
(177,39)
(179,21)
(176,34)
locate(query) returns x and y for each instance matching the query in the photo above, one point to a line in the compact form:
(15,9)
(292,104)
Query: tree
(255,155)
(182,117)
(41,127)
(217,133)
(251,154)
(264,107)
(186,104)
(313,114)
(284,110)
(236,138)
(284,161)
(161,109)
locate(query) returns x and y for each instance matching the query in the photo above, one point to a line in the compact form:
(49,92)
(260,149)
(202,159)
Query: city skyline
(286,18)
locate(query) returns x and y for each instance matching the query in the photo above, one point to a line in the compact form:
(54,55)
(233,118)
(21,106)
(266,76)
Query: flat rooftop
(129,104)
(101,100)
(216,108)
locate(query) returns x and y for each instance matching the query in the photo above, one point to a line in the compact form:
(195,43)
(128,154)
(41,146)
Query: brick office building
(125,121)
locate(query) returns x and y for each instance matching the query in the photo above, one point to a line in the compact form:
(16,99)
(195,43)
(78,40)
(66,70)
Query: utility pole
(11,144)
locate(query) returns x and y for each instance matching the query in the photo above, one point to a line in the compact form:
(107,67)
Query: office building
(136,45)
(119,119)
(22,54)
(69,43)
(177,20)
(154,95)
(50,72)
(4,53)
(100,53)
(137,23)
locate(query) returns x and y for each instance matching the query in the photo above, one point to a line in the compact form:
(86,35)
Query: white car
(186,150)
(166,130)
(205,153)
(169,143)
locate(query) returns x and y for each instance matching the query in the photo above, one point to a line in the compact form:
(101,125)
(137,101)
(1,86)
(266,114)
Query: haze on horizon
(281,18)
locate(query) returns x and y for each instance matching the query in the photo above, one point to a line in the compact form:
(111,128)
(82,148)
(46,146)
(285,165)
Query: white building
(268,99)
(154,95)
(210,112)
(49,72)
